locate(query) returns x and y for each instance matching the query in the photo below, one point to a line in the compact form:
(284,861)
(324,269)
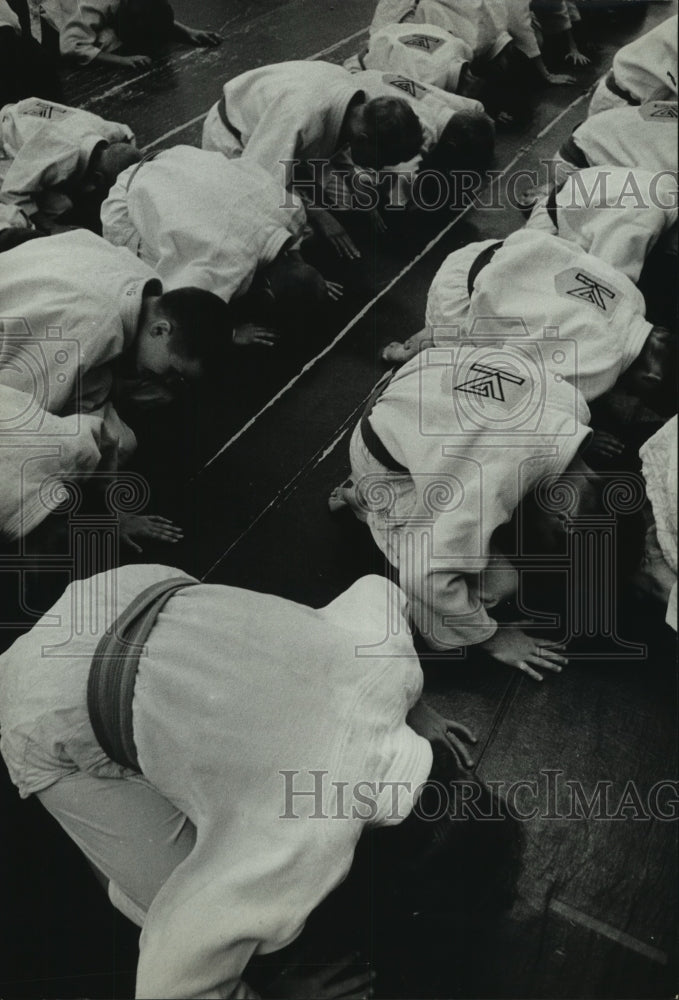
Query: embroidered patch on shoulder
(428,43)
(578,284)
(659,111)
(409,87)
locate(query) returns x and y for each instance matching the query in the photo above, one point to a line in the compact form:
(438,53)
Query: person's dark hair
(202,326)
(467,143)
(393,128)
(143,25)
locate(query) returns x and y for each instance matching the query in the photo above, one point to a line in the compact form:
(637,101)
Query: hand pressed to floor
(331,983)
(137,527)
(430,724)
(511,645)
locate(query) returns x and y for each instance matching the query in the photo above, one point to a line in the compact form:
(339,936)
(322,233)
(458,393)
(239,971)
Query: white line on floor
(605,930)
(366,309)
(194,121)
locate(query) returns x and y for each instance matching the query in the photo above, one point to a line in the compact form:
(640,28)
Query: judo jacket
(201,220)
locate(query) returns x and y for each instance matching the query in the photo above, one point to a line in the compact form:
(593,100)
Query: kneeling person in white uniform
(60,162)
(83,322)
(224,226)
(169,768)
(292,118)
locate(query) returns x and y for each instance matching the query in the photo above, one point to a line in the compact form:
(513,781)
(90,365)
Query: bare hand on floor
(431,725)
(333,231)
(138,527)
(511,645)
(335,290)
(334,982)
(251,334)
(206,39)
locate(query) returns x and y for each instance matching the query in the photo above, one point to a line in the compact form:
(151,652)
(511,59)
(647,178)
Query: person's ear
(161,328)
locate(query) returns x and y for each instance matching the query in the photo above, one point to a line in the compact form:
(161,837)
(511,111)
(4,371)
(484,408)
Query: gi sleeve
(521,27)
(116,222)
(79,36)
(443,564)
(275,142)
(39,451)
(49,158)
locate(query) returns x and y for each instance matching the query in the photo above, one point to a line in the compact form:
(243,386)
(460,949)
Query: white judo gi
(659,468)
(474,428)
(233,688)
(8,18)
(644,136)
(426,53)
(433,106)
(86,27)
(281,113)
(482,24)
(70,307)
(201,221)
(587,317)
(44,145)
(614,213)
(645,70)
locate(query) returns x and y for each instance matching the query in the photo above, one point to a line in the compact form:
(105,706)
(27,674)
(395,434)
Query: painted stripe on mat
(605,930)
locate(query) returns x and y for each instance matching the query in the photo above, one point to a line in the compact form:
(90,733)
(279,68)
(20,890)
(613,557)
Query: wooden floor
(247,476)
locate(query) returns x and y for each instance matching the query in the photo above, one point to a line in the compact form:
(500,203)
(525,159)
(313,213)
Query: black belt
(113,673)
(619,91)
(370,438)
(221,109)
(145,159)
(571,152)
(481,261)
(552,208)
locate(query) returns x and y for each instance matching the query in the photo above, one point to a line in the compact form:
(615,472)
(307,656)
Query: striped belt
(221,110)
(113,673)
(619,91)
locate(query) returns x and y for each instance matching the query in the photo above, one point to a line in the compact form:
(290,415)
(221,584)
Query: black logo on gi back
(588,288)
(428,43)
(489,384)
(409,87)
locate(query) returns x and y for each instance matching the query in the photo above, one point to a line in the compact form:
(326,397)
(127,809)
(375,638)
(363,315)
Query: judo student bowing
(466,46)
(81,322)
(458,136)
(643,71)
(293,117)
(598,231)
(643,136)
(226,226)
(59,162)
(124,33)
(446,449)
(171,737)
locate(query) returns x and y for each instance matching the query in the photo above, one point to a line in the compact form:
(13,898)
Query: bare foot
(397,354)
(134,527)
(342,497)
(529,198)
